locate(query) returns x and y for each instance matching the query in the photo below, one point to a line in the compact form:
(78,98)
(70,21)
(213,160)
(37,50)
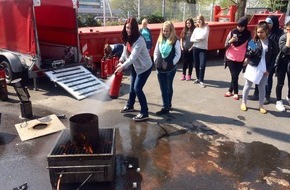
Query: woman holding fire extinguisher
(135,53)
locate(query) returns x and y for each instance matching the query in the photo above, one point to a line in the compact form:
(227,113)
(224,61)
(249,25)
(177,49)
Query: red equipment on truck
(93,39)
(40,37)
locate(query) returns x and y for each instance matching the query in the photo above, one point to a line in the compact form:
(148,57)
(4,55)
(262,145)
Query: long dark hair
(134,31)
(185,29)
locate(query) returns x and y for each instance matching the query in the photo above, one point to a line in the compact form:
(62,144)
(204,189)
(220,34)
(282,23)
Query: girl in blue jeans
(167,53)
(199,38)
(135,53)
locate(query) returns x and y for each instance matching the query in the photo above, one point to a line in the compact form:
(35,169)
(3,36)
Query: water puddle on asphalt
(195,157)
(192,156)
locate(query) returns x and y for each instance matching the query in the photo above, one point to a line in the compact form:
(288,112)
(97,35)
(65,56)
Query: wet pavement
(205,143)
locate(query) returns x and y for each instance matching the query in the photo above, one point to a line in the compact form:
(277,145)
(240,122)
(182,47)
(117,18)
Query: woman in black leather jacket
(260,57)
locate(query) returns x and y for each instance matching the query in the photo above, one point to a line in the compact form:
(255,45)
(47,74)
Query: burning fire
(70,148)
(88,149)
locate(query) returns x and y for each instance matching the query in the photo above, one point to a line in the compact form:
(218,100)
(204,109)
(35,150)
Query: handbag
(254,53)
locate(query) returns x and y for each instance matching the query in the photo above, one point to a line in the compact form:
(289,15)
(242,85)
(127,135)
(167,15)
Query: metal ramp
(77,80)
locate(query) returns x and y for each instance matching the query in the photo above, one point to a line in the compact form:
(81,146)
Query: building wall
(90,7)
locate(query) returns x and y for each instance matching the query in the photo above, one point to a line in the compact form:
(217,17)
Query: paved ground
(206,142)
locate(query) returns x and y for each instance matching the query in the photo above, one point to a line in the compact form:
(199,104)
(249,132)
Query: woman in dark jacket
(283,68)
(275,32)
(260,57)
(236,46)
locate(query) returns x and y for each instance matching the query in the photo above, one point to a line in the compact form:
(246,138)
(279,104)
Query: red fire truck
(42,37)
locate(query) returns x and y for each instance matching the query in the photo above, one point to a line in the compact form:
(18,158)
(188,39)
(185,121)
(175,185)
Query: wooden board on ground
(39,127)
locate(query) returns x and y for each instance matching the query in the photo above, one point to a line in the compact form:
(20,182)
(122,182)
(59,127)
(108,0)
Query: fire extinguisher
(115,62)
(110,66)
(104,73)
(115,86)
(3,85)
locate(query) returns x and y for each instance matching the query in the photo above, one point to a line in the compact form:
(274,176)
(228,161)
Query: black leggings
(187,58)
(235,69)
(281,74)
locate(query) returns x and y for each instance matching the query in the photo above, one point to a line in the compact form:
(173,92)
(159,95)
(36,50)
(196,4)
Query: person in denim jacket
(260,62)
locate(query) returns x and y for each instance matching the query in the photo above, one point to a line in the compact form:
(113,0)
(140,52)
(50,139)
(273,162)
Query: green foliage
(278,5)
(114,23)
(226,3)
(154,18)
(87,20)
(191,1)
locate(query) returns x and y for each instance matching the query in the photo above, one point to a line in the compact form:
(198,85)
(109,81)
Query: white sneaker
(279,106)
(196,81)
(288,100)
(201,84)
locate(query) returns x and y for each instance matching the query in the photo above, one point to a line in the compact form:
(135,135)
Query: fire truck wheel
(10,75)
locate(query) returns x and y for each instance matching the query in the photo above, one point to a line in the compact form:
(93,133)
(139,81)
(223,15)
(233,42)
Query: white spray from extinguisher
(110,80)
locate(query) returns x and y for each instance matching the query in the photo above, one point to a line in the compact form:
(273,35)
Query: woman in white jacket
(199,38)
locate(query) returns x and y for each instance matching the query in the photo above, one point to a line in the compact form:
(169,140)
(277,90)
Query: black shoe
(162,112)
(267,101)
(140,117)
(127,109)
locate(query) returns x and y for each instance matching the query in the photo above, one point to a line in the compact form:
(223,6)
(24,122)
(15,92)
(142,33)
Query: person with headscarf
(236,46)
(274,34)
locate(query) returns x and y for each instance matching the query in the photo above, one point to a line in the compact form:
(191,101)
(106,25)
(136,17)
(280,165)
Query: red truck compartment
(16,26)
(256,18)
(55,21)
(93,39)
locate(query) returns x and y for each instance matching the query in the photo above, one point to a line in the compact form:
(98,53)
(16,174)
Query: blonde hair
(172,37)
(144,21)
(202,20)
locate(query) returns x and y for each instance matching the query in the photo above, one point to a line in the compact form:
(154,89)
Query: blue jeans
(199,56)
(166,86)
(136,89)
